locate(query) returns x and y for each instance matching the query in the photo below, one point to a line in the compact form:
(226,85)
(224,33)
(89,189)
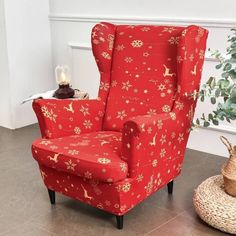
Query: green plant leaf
(197,122)
(225,75)
(215,122)
(219,66)
(213,100)
(227,67)
(233,92)
(206,124)
(217,92)
(210,117)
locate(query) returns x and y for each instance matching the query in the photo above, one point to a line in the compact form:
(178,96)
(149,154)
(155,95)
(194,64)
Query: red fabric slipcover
(138,127)
(70,154)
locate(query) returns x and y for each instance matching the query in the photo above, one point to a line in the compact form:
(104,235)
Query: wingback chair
(115,151)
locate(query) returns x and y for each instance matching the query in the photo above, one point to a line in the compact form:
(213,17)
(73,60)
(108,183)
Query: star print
(126,85)
(70,165)
(121,114)
(161,87)
(120,47)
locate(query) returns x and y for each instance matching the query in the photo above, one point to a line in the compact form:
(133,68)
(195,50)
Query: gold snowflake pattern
(104,160)
(173,134)
(168,29)
(145,29)
(123,208)
(104,86)
(113,83)
(166,108)
(162,152)
(152,112)
(87,124)
(181,137)
(201,54)
(126,187)
(128,59)
(145,54)
(172,116)
(191,57)
(49,114)
(77,130)
(137,43)
(154,163)
(126,85)
(70,165)
(106,55)
(179,105)
(179,167)
(174,40)
(107,203)
(161,87)
(121,115)
(159,124)
(94,34)
(84,110)
(123,167)
(73,152)
(45,142)
(149,130)
(53,147)
(88,175)
(163,139)
(179,59)
(120,47)
(140,178)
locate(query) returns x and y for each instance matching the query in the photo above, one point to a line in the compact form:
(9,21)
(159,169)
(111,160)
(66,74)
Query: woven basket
(229,169)
(214,206)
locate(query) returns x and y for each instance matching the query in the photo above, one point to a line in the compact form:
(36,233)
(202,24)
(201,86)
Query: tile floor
(25,209)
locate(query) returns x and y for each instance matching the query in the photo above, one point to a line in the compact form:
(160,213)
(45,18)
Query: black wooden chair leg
(170,187)
(119,220)
(52,197)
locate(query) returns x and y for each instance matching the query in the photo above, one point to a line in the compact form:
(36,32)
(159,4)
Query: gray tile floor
(25,208)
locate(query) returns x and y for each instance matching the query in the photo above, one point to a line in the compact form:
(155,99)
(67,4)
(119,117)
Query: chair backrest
(139,69)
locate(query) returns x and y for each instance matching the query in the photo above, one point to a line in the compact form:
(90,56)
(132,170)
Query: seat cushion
(92,155)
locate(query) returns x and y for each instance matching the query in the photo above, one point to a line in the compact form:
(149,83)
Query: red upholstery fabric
(117,198)
(93,155)
(147,74)
(144,73)
(59,118)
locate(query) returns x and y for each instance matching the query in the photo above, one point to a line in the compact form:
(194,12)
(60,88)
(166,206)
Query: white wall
(28,57)
(152,8)
(5,116)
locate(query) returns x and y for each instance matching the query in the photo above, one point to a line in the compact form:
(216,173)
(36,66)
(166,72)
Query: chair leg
(119,220)
(52,197)
(170,187)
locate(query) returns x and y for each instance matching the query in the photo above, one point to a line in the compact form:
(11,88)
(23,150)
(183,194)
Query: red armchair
(115,151)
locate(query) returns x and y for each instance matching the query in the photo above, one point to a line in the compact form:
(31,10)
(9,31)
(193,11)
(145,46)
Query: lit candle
(62,73)
(63,79)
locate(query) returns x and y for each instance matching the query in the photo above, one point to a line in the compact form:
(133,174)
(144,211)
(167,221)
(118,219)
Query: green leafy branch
(221,92)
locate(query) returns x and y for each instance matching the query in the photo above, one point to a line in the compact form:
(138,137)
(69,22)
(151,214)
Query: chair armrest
(58,118)
(158,140)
